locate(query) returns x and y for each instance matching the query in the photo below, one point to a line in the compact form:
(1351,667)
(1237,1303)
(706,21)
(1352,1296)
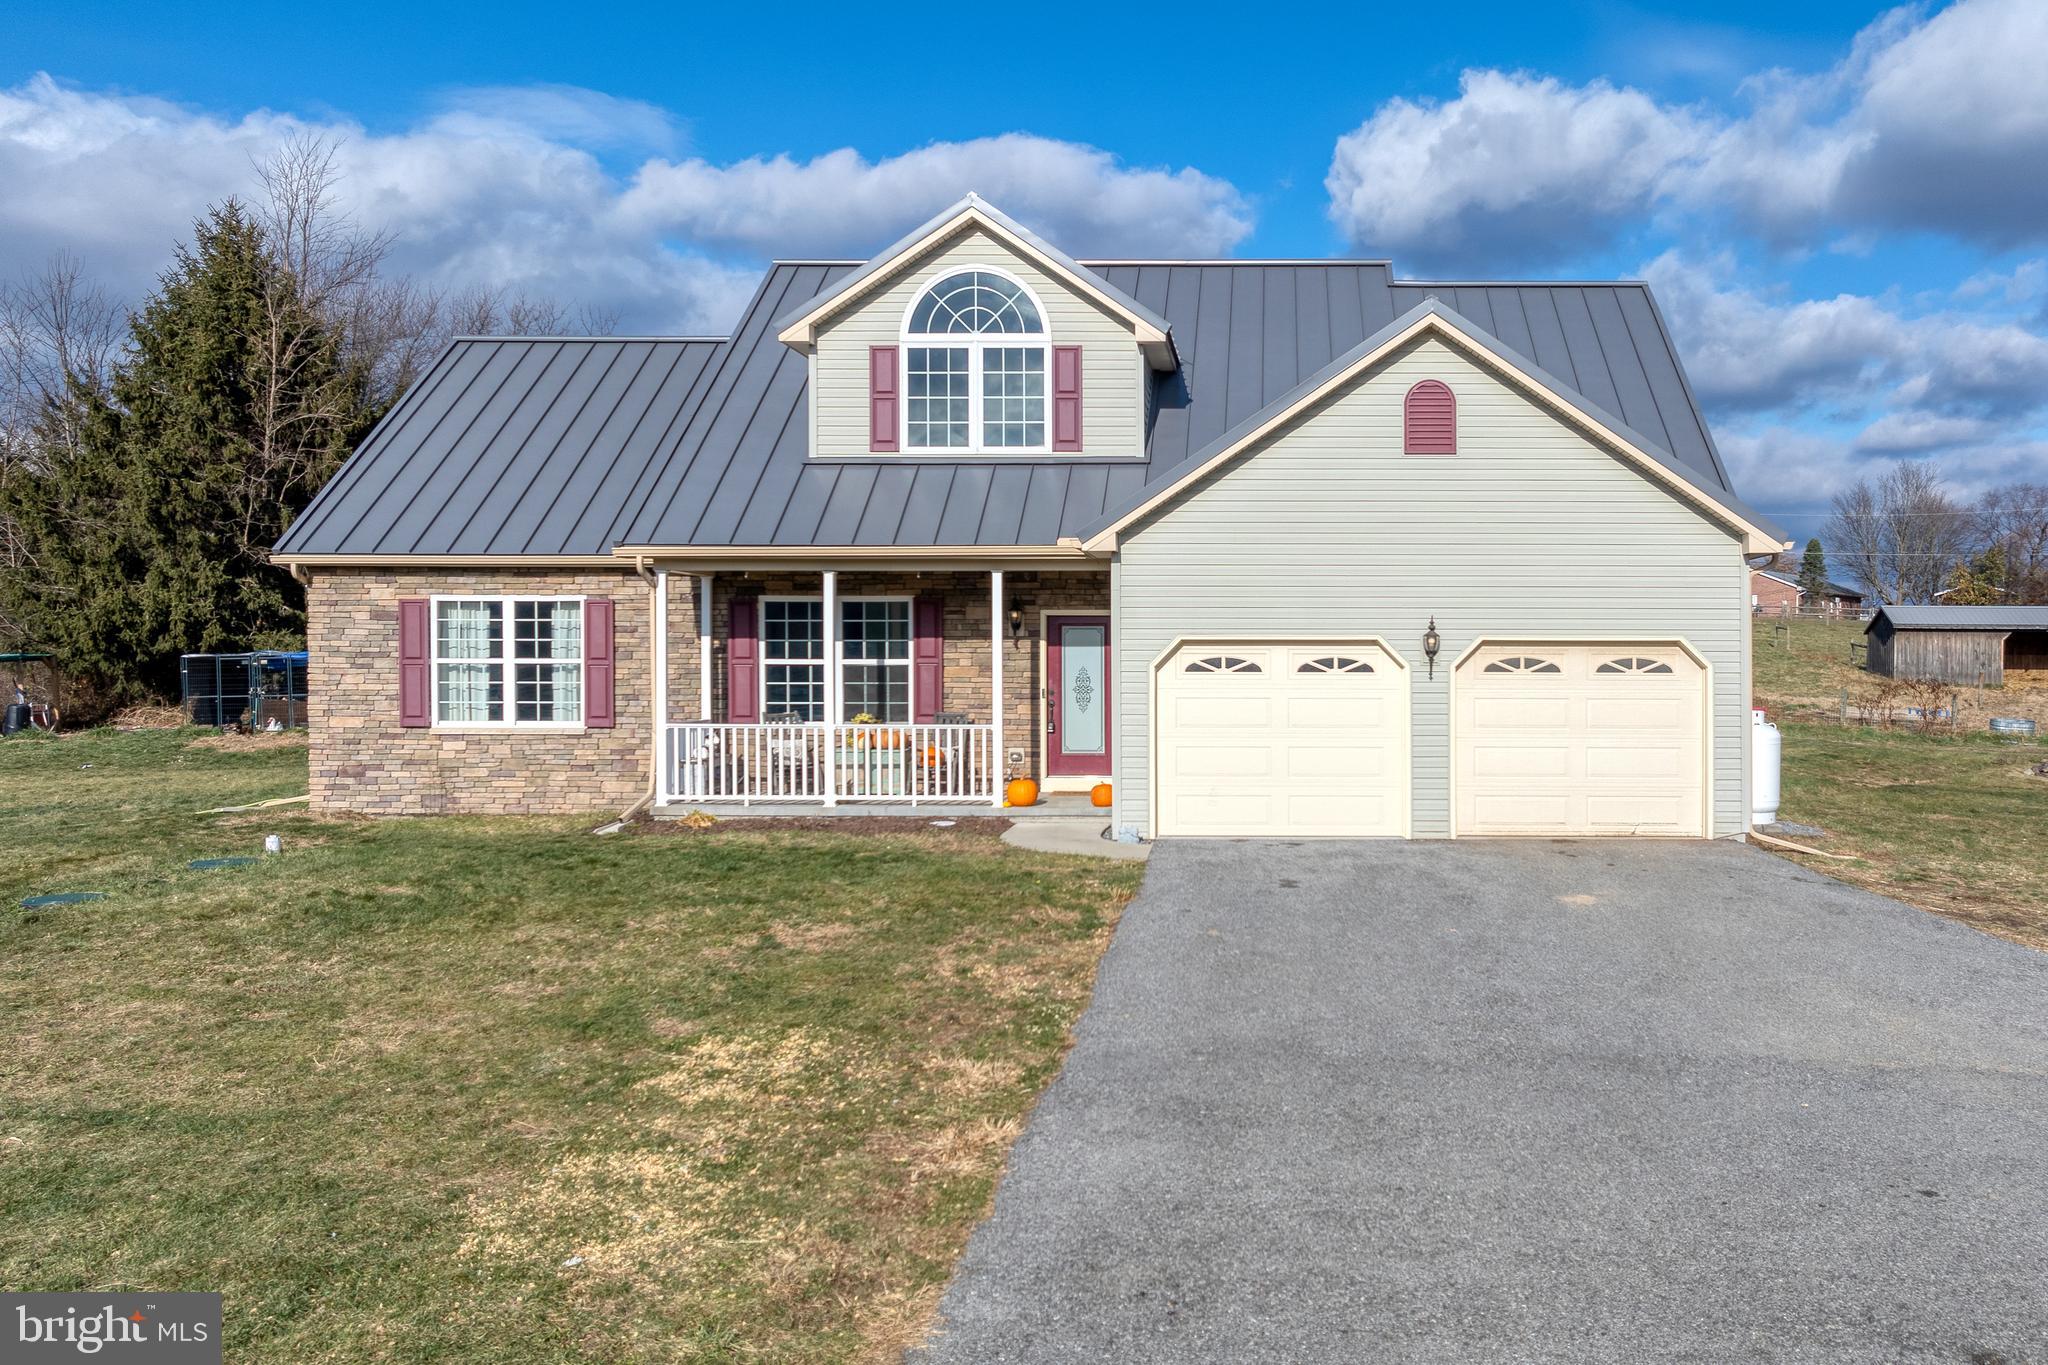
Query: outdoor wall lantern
(1431,643)
(1016,622)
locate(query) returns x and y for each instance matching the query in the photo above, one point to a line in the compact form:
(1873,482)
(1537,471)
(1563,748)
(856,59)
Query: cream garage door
(1580,739)
(1304,739)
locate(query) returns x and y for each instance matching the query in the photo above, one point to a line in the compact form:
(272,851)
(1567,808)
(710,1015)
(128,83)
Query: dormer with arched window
(977,360)
(972,340)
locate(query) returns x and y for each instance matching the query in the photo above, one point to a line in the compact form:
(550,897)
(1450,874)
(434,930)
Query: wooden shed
(1976,646)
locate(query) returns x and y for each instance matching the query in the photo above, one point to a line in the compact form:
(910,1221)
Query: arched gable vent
(1429,417)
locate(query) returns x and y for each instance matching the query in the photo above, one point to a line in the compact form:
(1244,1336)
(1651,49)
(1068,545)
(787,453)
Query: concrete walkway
(1072,836)
(1528,1102)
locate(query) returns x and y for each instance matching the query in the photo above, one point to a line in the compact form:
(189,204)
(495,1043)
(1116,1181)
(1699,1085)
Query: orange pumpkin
(1099,795)
(1022,792)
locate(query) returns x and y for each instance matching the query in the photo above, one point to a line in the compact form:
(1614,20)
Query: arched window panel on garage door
(1634,663)
(1222,663)
(1335,663)
(1522,663)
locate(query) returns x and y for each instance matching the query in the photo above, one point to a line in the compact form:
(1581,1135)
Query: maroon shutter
(882,398)
(1430,419)
(743,663)
(415,664)
(1066,398)
(928,658)
(600,675)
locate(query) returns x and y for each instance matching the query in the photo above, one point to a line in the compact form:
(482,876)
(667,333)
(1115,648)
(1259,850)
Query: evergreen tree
(1813,572)
(229,408)
(1979,583)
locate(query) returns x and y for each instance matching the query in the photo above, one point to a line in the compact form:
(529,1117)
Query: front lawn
(499,1090)
(1950,822)
(1956,826)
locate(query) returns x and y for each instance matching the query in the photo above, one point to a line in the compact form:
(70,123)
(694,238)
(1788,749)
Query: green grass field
(1953,823)
(1801,666)
(468,1090)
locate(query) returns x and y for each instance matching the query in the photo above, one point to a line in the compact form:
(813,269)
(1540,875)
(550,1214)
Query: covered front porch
(879,686)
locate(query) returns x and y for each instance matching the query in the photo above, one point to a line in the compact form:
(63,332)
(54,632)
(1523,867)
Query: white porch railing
(825,764)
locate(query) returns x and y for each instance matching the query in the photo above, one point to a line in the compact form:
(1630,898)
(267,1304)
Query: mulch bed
(968,826)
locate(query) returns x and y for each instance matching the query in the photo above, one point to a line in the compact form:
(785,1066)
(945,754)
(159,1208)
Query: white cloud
(1795,472)
(1808,396)
(1915,433)
(506,188)
(568,113)
(840,203)
(1747,352)
(1513,155)
(1937,122)
(1786,470)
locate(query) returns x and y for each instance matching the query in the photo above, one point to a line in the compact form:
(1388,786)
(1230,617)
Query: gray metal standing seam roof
(510,445)
(574,446)
(1963,618)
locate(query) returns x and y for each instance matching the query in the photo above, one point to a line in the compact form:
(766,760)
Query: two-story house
(1287,547)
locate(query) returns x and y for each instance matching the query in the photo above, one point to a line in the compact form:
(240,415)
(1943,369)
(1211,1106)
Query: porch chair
(946,764)
(788,751)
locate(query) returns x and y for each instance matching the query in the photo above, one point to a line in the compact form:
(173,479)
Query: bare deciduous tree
(1901,534)
(505,312)
(56,329)
(2014,520)
(391,327)
(59,337)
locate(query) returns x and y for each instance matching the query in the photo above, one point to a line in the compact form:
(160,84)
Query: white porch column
(663,784)
(704,647)
(830,626)
(995,672)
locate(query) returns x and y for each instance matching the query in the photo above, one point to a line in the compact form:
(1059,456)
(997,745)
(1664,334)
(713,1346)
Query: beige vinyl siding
(1531,531)
(1112,395)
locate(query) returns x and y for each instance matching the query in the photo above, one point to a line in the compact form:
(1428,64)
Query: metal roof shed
(1973,645)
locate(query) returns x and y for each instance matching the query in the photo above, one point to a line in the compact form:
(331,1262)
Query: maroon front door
(1077,733)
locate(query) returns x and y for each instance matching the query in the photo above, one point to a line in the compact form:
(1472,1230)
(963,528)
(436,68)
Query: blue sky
(1841,207)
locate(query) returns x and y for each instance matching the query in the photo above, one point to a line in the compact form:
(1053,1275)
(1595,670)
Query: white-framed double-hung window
(508,661)
(874,658)
(874,649)
(975,359)
(792,658)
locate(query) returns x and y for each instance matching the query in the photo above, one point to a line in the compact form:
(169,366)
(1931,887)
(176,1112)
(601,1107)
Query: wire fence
(264,691)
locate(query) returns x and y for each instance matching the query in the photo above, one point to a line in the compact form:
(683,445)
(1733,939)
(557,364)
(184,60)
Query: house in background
(1278,547)
(1976,646)
(1775,592)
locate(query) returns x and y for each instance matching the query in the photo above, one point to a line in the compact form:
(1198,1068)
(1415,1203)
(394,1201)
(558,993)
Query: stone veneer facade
(363,760)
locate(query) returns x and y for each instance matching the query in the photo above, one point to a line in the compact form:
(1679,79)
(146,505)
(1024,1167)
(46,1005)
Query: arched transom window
(984,386)
(1634,663)
(1222,663)
(1522,663)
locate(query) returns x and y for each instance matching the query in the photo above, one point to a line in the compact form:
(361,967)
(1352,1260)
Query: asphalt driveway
(1527,1102)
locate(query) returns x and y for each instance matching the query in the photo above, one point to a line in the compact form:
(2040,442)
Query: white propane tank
(1766,757)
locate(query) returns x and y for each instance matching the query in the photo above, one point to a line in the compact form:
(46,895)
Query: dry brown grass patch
(148,718)
(813,938)
(971,1077)
(234,742)
(975,1147)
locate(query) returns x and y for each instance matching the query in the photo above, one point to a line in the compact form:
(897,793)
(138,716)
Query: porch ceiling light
(1431,643)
